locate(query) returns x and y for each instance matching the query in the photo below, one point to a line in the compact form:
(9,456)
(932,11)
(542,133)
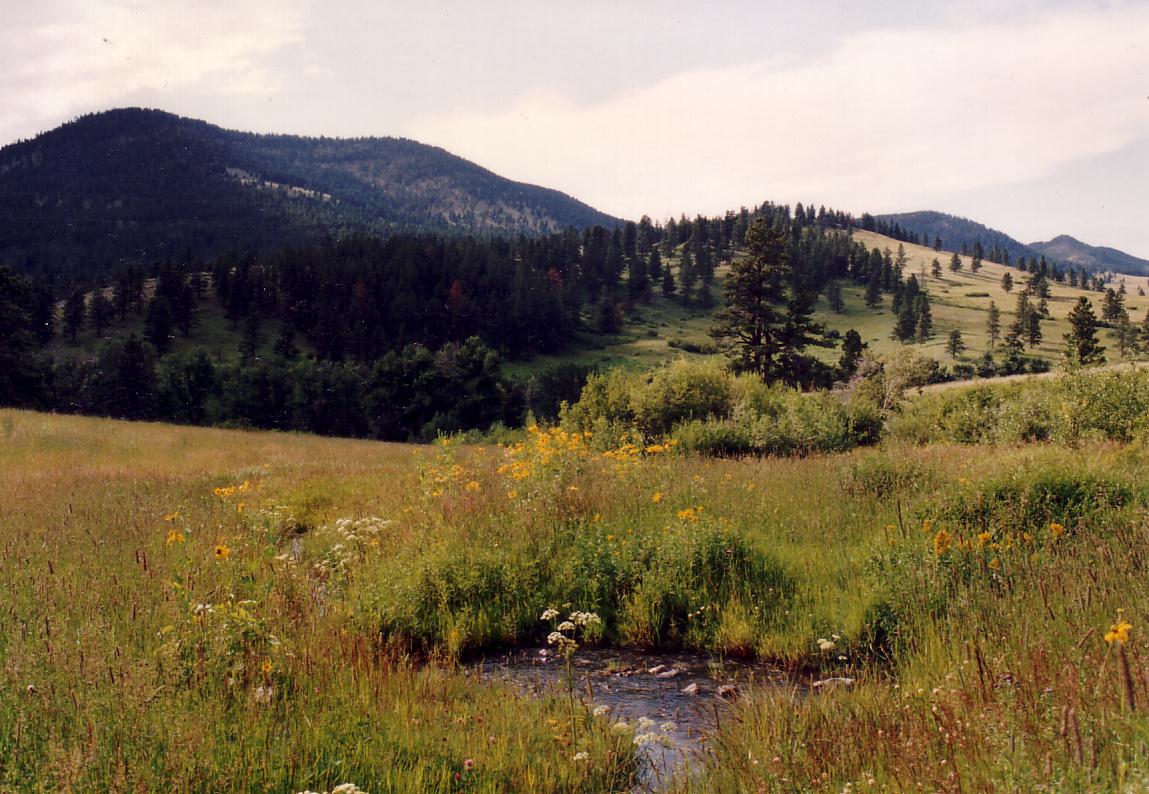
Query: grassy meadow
(210,610)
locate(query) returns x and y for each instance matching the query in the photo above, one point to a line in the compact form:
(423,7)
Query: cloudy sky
(1031,116)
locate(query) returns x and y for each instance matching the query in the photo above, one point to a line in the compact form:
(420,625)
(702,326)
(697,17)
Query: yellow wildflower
(472,486)
(266,667)
(983,539)
(1119,632)
(994,564)
(942,542)
(222,552)
(657,497)
(1056,530)
(175,536)
(172,516)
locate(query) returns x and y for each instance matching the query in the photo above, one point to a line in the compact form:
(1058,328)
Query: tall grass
(206,610)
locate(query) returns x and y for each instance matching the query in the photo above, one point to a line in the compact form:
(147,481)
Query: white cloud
(74,55)
(884,120)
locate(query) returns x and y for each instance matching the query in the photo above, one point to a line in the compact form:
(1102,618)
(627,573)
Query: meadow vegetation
(210,610)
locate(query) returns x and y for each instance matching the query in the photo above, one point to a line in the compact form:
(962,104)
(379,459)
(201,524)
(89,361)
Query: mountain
(1091,257)
(954,231)
(134,185)
(1062,249)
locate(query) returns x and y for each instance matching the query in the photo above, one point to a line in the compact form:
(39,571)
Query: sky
(1031,116)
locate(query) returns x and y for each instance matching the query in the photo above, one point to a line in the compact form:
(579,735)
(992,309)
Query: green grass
(966,588)
(959,301)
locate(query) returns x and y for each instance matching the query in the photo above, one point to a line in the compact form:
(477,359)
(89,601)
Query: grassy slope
(651,327)
(953,307)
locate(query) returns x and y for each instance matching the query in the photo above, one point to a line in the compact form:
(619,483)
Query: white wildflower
(566,625)
(582,755)
(825,645)
(549,614)
(601,711)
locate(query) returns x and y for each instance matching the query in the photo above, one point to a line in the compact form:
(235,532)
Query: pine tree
(654,265)
(955,345)
(687,274)
(1007,282)
(936,268)
(74,311)
(760,337)
(158,324)
(906,324)
(834,296)
(852,347)
(993,324)
(101,311)
(925,328)
(1126,333)
(955,263)
(252,336)
(874,289)
(667,280)
(285,341)
(1081,341)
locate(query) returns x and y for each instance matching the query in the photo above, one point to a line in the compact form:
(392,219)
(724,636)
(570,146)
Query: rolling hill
(1091,257)
(134,185)
(954,231)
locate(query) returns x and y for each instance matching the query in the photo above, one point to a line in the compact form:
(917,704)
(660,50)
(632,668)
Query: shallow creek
(686,695)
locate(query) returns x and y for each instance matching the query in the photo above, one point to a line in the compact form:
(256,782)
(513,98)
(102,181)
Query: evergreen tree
(667,280)
(937,243)
(252,337)
(874,289)
(925,328)
(936,268)
(1007,282)
(101,311)
(955,345)
(687,274)
(993,324)
(285,340)
(759,336)
(158,324)
(906,324)
(955,263)
(22,373)
(1112,305)
(654,265)
(74,311)
(1081,341)
(852,347)
(1126,333)
(834,296)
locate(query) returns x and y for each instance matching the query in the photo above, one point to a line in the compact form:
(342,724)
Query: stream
(685,695)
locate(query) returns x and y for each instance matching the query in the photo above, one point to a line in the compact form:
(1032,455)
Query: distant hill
(954,231)
(140,185)
(1091,257)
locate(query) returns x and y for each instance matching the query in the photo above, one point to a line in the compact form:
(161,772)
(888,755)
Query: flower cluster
(346,788)
(563,637)
(354,539)
(647,733)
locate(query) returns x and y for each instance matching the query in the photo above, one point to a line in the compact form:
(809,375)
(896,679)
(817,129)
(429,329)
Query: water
(629,683)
